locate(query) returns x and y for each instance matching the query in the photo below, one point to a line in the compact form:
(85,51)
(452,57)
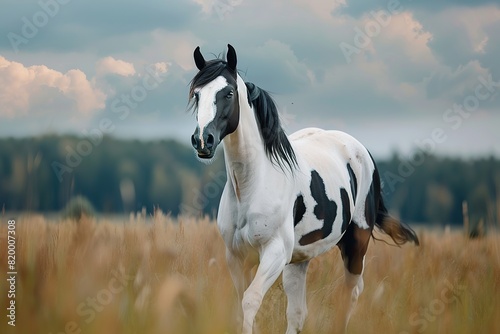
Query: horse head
(214,98)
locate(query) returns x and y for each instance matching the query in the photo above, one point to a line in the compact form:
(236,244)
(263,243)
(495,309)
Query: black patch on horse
(325,210)
(354,183)
(346,209)
(372,201)
(299,209)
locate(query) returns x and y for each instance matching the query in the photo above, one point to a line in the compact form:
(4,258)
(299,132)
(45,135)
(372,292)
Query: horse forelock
(213,69)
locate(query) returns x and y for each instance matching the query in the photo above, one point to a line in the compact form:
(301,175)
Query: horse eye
(197,95)
(229,95)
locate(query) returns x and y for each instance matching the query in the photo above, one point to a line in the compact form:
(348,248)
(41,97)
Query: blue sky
(396,74)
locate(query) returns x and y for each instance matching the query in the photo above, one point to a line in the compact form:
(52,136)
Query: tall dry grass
(166,276)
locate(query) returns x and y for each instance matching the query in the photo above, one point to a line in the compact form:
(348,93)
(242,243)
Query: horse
(287,199)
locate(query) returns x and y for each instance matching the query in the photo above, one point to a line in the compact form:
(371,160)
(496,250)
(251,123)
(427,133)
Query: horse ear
(231,58)
(198,58)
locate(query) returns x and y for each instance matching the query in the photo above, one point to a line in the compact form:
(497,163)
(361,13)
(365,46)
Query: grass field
(166,276)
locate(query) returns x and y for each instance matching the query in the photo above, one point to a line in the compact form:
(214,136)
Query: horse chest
(252,223)
(257,226)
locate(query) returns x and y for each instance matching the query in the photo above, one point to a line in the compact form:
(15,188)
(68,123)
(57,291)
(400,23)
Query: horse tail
(399,232)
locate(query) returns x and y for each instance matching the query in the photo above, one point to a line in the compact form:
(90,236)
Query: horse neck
(244,151)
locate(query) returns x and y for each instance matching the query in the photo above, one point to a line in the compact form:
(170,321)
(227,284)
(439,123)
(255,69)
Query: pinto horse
(287,199)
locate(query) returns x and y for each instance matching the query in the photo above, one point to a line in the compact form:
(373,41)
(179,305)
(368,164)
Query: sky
(399,75)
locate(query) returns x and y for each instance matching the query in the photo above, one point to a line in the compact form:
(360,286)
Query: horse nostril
(194,142)
(210,140)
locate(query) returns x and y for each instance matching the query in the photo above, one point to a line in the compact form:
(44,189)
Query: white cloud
(24,89)
(474,20)
(411,36)
(110,65)
(160,67)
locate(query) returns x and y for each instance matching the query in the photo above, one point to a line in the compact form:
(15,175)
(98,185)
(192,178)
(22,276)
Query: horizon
(402,155)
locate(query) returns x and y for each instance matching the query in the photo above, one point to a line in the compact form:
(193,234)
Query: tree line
(123,176)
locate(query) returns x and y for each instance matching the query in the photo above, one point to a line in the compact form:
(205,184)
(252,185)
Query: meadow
(164,275)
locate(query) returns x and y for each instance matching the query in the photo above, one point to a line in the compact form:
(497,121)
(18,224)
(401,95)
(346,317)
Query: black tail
(399,232)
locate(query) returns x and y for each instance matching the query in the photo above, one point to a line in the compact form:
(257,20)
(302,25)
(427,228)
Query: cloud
(110,65)
(454,84)
(398,40)
(406,33)
(357,8)
(221,8)
(160,67)
(463,34)
(39,89)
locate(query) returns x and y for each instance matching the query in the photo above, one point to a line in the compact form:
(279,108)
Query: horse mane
(276,143)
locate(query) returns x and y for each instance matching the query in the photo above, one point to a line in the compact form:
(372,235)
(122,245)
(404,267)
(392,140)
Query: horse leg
(240,275)
(294,283)
(272,262)
(353,246)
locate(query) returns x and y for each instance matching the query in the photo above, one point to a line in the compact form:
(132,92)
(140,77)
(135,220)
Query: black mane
(276,143)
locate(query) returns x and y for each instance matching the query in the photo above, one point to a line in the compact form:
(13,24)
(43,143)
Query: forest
(118,176)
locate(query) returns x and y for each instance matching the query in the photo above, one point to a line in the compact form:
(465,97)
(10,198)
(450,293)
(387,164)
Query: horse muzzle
(204,144)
